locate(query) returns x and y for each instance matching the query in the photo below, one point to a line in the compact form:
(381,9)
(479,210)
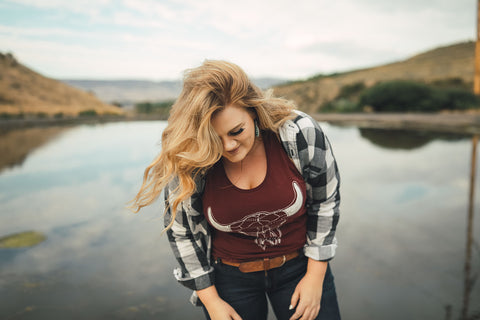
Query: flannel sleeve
(320,171)
(189,239)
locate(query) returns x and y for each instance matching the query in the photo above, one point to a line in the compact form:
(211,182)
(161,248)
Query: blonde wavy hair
(190,145)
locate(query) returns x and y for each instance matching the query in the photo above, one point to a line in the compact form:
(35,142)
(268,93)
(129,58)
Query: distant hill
(23,90)
(128,92)
(453,62)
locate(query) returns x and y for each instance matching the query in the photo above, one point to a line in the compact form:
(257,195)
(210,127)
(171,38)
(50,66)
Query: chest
(269,185)
(248,174)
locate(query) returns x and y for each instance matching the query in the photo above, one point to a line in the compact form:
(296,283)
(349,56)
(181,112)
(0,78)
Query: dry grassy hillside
(25,91)
(454,61)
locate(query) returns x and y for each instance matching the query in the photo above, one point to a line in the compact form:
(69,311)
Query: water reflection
(99,260)
(402,231)
(469,279)
(402,228)
(15,145)
(405,139)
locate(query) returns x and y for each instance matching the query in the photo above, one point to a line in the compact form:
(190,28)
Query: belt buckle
(283,262)
(267,266)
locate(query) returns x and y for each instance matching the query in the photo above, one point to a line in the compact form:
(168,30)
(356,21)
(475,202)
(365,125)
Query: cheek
(249,141)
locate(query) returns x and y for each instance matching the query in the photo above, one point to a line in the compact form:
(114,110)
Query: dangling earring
(257,130)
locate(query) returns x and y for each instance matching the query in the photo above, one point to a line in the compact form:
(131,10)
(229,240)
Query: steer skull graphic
(263,225)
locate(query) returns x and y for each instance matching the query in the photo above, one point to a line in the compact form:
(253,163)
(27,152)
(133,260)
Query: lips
(234,151)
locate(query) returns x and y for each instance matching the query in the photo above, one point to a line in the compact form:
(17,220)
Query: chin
(235,158)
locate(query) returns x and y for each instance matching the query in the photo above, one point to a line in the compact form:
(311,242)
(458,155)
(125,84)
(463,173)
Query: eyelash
(236,133)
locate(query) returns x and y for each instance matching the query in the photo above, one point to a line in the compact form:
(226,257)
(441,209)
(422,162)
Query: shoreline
(468,123)
(13,124)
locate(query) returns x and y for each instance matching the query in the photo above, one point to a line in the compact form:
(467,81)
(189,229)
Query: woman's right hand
(221,310)
(218,309)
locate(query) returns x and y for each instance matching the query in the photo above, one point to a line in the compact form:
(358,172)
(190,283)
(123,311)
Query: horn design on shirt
(263,225)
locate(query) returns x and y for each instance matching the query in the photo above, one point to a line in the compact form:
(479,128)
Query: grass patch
(159,108)
(22,239)
(87,113)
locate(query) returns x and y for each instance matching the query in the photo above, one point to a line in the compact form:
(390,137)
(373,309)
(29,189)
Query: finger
(305,315)
(317,310)
(310,313)
(295,316)
(298,313)
(294,300)
(236,316)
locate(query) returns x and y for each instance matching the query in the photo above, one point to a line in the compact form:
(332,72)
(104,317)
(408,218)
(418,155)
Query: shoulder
(301,137)
(300,121)
(301,128)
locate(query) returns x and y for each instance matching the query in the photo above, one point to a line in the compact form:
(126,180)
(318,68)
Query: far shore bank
(468,123)
(12,124)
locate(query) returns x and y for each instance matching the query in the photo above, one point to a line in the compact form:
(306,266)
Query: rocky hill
(24,91)
(445,63)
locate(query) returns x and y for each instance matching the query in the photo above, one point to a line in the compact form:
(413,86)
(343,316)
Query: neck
(256,154)
(251,171)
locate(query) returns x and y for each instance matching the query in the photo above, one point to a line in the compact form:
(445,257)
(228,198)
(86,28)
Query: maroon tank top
(262,222)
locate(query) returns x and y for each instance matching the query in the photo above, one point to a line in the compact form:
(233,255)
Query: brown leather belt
(261,264)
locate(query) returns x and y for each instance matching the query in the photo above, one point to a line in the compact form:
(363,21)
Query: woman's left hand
(308,293)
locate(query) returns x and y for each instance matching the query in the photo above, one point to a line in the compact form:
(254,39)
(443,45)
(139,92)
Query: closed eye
(236,133)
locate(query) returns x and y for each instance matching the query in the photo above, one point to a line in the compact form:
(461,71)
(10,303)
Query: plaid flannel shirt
(310,150)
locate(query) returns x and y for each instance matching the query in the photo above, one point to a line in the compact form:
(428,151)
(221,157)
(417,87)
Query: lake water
(402,233)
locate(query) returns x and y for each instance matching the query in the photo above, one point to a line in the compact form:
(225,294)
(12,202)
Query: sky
(159,39)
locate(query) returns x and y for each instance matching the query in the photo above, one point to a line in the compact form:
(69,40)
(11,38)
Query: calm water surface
(402,233)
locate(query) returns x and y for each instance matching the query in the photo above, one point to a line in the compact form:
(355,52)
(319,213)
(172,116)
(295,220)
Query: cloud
(86,7)
(159,39)
(416,6)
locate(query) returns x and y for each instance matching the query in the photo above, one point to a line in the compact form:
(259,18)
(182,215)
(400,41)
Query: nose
(229,144)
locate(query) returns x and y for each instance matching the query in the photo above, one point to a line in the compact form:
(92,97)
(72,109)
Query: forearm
(209,296)
(316,270)
(217,308)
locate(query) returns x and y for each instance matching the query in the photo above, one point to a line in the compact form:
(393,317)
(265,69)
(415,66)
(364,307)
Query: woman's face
(235,127)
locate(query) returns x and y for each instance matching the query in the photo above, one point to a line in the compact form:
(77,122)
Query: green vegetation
(8,116)
(117,104)
(452,83)
(351,90)
(58,115)
(22,240)
(347,99)
(404,96)
(112,115)
(157,108)
(394,96)
(446,67)
(87,113)
(341,105)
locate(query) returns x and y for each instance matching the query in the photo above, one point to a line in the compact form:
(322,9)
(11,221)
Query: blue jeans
(247,292)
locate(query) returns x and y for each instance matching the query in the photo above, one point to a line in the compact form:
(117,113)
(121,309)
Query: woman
(252,194)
